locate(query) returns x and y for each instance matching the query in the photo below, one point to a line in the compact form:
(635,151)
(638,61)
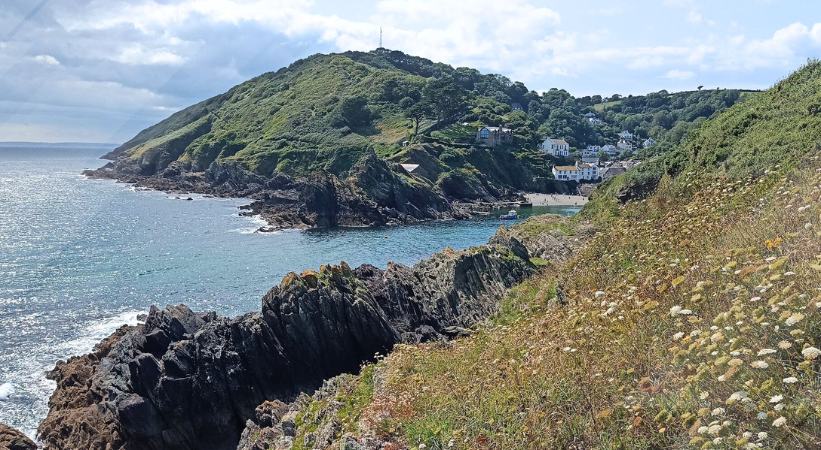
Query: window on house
(484,134)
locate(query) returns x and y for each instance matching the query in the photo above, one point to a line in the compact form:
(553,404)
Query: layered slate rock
(11,439)
(186,380)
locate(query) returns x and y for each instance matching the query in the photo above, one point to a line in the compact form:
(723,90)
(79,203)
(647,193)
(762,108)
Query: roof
(584,166)
(502,129)
(409,167)
(557,141)
(565,168)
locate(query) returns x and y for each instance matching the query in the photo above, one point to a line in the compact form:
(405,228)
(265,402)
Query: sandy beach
(556,199)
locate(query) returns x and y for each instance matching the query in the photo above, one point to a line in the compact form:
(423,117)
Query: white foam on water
(257,222)
(97,331)
(6,389)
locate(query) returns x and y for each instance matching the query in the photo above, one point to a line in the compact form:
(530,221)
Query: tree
(416,112)
(444,97)
(354,111)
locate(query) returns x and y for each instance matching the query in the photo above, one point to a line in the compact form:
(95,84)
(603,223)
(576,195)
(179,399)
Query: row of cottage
(560,147)
(494,136)
(585,170)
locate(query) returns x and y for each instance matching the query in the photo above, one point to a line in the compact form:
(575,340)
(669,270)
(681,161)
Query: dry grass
(679,332)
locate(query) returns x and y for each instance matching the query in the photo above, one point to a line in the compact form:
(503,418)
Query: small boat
(511,215)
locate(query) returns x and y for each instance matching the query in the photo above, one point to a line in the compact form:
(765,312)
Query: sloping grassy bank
(691,320)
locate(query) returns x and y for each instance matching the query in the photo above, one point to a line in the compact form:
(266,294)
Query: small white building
(555,147)
(577,172)
(626,135)
(591,151)
(649,142)
(409,168)
(624,145)
(610,149)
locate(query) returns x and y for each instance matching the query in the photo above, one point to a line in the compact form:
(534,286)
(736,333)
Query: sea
(79,257)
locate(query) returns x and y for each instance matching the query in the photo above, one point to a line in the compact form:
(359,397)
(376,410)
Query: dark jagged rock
(374,192)
(186,380)
(11,439)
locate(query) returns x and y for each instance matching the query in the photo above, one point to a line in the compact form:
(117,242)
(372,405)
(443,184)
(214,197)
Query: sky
(102,70)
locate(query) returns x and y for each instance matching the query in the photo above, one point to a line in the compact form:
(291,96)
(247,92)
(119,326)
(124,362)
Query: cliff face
(186,380)
(373,192)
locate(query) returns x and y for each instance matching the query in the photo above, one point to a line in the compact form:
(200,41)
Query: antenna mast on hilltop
(380,37)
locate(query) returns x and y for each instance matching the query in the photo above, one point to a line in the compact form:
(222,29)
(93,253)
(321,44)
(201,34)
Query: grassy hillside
(691,321)
(325,111)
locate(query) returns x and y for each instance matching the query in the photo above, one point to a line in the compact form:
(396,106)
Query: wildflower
(776,398)
(761,416)
(762,435)
(766,351)
(714,429)
(783,345)
(790,380)
(759,364)
(717,412)
(678,335)
(779,422)
(810,353)
(675,310)
(703,395)
(736,396)
(778,407)
(794,319)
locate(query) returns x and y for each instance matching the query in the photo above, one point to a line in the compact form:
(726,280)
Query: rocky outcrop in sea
(188,380)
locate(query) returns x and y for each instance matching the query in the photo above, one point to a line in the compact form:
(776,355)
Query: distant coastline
(26,144)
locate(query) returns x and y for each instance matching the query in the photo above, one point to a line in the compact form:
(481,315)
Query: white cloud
(676,74)
(779,50)
(46,59)
(136,55)
(142,59)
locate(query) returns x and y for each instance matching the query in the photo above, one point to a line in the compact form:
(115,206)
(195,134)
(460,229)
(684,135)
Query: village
(592,164)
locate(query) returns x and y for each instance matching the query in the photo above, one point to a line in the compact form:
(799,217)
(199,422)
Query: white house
(624,145)
(591,151)
(555,147)
(587,172)
(592,119)
(578,172)
(649,142)
(626,135)
(610,149)
(565,173)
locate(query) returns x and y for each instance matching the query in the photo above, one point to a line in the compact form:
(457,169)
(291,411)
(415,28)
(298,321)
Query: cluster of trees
(422,90)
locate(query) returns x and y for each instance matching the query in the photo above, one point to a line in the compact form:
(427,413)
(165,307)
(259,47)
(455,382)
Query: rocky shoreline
(374,193)
(188,380)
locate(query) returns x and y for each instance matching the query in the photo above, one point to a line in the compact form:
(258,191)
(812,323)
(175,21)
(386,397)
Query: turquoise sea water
(80,257)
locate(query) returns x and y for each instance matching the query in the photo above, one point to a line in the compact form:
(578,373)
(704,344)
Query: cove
(80,257)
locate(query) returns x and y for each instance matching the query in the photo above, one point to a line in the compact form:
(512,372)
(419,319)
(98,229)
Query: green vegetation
(324,112)
(691,320)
